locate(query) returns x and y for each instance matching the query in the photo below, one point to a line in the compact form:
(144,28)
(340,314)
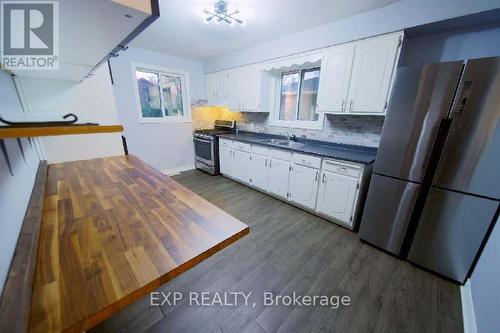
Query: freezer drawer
(387,212)
(470,161)
(450,232)
(421,98)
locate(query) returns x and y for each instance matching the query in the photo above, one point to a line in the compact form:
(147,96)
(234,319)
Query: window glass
(172,96)
(299,92)
(289,95)
(149,94)
(308,94)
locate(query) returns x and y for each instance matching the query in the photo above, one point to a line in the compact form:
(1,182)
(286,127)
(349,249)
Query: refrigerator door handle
(461,99)
(437,149)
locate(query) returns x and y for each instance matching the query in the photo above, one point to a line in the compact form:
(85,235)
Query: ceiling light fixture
(222,14)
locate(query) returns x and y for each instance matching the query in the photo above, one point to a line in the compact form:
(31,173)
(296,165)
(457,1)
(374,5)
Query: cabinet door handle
(317,175)
(266,163)
(342,108)
(324,178)
(351,103)
(270,163)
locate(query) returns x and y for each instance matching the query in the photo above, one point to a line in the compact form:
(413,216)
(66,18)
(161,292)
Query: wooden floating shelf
(27,132)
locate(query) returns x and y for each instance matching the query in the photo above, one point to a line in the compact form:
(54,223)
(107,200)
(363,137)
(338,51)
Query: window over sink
(162,94)
(299,93)
(296,83)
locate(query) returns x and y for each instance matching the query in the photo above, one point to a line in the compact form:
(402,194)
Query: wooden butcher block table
(113,230)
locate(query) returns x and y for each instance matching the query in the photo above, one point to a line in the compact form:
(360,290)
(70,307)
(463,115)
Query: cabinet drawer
(342,168)
(280,154)
(243,146)
(261,150)
(225,143)
(311,161)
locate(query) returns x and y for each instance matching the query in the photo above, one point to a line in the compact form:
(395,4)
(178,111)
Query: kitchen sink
(275,141)
(282,143)
(290,144)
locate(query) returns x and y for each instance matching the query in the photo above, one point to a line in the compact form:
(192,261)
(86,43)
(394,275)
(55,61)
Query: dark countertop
(357,154)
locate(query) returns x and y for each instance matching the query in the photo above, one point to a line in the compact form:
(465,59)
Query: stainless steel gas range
(206,145)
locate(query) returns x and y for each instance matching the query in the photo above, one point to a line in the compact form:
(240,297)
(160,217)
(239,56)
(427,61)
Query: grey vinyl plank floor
(291,250)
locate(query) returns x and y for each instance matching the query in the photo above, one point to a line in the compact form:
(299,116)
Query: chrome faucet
(291,137)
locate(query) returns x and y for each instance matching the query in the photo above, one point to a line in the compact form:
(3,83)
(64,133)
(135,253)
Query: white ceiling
(181,29)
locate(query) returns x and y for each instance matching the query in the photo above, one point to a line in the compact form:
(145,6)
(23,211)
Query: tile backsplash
(355,130)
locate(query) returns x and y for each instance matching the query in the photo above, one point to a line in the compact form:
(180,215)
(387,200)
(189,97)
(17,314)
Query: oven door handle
(202,140)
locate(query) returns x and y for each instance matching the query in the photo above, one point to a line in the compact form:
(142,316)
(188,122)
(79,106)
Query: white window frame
(275,114)
(186,97)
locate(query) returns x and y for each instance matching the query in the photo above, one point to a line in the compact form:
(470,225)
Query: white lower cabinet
(278,173)
(337,196)
(259,171)
(226,161)
(304,185)
(329,187)
(242,168)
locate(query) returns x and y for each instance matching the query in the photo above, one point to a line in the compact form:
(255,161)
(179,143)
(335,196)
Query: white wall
(15,190)
(92,100)
(394,17)
(165,146)
(485,285)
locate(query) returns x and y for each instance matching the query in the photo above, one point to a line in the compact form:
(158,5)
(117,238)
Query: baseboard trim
(176,171)
(468,313)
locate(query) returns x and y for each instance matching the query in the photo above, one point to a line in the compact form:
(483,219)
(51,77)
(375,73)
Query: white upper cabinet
(335,76)
(251,84)
(222,86)
(304,185)
(92,31)
(233,89)
(355,78)
(239,88)
(337,196)
(372,72)
(211,80)
(218,87)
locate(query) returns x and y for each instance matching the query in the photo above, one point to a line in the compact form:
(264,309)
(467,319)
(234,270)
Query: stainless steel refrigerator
(435,189)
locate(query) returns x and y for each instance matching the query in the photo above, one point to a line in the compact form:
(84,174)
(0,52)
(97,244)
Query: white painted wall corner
(176,171)
(468,313)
